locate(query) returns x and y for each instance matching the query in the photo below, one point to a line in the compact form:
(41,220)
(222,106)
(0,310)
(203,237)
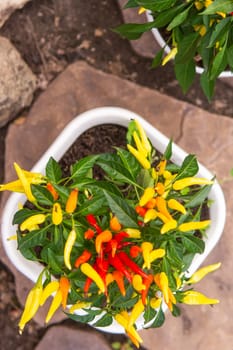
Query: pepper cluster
(117,248)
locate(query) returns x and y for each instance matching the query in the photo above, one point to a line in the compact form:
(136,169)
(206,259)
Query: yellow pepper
(72,201)
(175,205)
(68,248)
(140,157)
(79,305)
(133,232)
(150,214)
(25,183)
(162,207)
(168,226)
(137,283)
(191,297)
(89,271)
(57,300)
(144,139)
(57,214)
(190,181)
(114,224)
(194,225)
(14,186)
(156,254)
(137,310)
(139,144)
(147,247)
(155,302)
(202,272)
(50,288)
(163,281)
(141,10)
(169,56)
(32,304)
(32,221)
(123,319)
(148,194)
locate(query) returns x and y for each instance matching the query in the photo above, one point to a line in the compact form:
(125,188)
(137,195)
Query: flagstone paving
(81,87)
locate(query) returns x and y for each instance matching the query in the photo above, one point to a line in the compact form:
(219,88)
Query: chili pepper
(147,283)
(140,210)
(151,203)
(174,204)
(119,278)
(79,305)
(168,226)
(89,234)
(144,139)
(163,217)
(14,186)
(57,300)
(151,214)
(32,303)
(120,236)
(57,214)
(64,286)
(164,286)
(113,244)
(50,288)
(114,224)
(68,248)
(137,283)
(133,232)
(148,194)
(155,302)
(109,278)
(190,181)
(52,190)
(202,272)
(103,237)
(89,271)
(87,285)
(118,264)
(138,308)
(161,166)
(162,207)
(32,221)
(134,251)
(93,222)
(84,257)
(160,188)
(123,319)
(194,225)
(140,157)
(131,264)
(156,254)
(147,247)
(25,183)
(172,53)
(139,144)
(72,201)
(191,297)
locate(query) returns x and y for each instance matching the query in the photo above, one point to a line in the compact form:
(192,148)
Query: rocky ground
(49,35)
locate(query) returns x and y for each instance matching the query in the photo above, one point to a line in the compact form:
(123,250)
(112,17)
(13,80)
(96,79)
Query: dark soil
(51,34)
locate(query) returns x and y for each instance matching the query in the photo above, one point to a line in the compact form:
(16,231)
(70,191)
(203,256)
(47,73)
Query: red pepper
(147,282)
(119,278)
(135,250)
(140,210)
(117,263)
(131,264)
(93,222)
(84,257)
(87,285)
(89,234)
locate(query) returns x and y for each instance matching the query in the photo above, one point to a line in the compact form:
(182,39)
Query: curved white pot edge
(86,120)
(158,37)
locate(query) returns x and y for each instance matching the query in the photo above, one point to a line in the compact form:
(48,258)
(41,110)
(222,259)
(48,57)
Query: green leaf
(193,244)
(160,5)
(81,168)
(157,60)
(229,56)
(149,313)
(22,215)
(168,152)
(187,48)
(104,321)
(163,18)
(179,19)
(219,63)
(62,191)
(199,197)
(53,170)
(42,195)
(207,85)
(52,259)
(158,320)
(93,206)
(133,31)
(83,319)
(125,214)
(220,29)
(188,168)
(129,161)
(225,6)
(130,4)
(185,74)
(33,239)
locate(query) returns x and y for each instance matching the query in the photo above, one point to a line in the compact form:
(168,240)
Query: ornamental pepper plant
(198,32)
(118,247)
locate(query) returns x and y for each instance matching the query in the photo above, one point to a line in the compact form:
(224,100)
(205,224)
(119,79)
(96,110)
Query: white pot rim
(83,122)
(158,37)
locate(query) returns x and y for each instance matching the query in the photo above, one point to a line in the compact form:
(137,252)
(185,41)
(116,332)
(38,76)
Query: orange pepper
(64,286)
(72,200)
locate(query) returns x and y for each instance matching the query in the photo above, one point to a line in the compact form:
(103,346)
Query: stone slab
(61,337)
(81,87)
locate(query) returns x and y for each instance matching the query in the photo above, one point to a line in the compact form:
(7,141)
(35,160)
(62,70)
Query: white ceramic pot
(160,40)
(91,118)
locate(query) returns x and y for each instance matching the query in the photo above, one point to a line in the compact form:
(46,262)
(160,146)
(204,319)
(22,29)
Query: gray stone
(17,82)
(7,7)
(64,338)
(210,136)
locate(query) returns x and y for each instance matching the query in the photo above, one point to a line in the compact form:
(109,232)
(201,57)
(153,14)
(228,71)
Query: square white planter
(91,118)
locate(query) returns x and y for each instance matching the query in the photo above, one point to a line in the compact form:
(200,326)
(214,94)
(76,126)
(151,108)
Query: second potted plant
(115,252)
